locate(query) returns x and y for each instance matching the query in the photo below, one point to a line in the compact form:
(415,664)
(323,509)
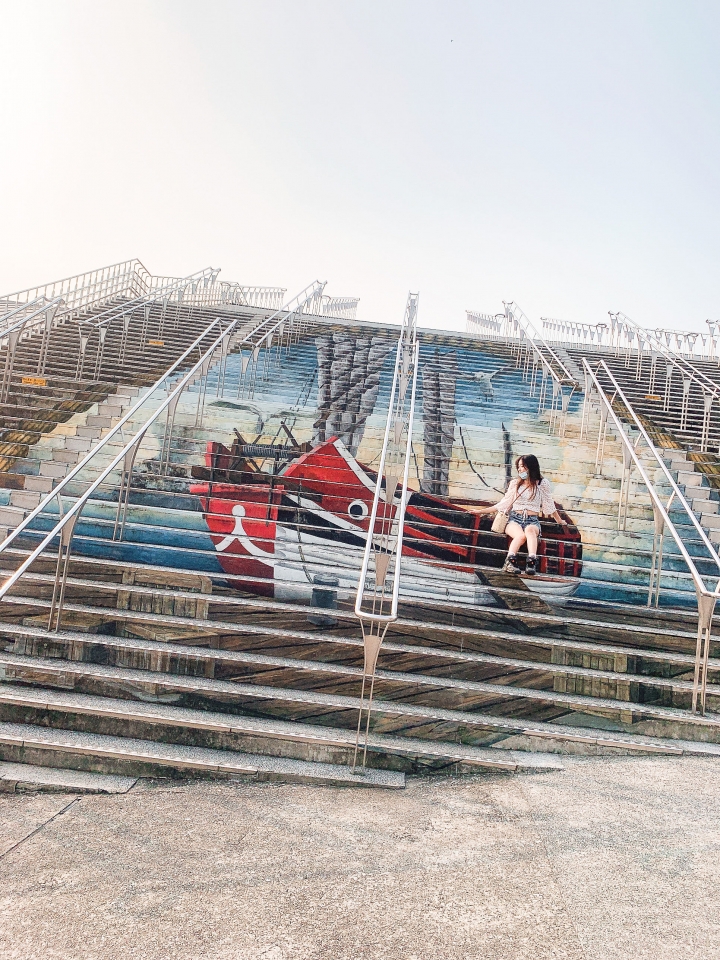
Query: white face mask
(523,474)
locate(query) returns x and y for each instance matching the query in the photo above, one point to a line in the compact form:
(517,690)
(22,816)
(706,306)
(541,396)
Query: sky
(560,154)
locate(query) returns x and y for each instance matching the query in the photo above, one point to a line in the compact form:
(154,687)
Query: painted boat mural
(275,530)
(269,515)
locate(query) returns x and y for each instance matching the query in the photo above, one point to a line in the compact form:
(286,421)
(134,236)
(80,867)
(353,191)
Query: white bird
(483,378)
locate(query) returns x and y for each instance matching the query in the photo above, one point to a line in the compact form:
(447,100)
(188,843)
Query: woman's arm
(548,505)
(503,504)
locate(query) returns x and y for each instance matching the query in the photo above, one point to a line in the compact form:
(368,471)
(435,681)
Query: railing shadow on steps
(281,323)
(706,598)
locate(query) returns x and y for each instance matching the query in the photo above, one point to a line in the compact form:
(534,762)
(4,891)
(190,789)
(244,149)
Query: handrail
(388,543)
(523,323)
(20,324)
(660,461)
(105,440)
(314,289)
(680,362)
(151,297)
(69,285)
(514,324)
(570,331)
(706,599)
(21,309)
(566,330)
(67,520)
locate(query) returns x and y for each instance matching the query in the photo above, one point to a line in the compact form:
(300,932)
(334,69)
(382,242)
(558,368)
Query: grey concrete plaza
(614,859)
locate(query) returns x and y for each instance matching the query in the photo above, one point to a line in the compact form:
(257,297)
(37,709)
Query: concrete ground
(614,859)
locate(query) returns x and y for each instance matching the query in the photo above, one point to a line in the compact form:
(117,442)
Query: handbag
(501,519)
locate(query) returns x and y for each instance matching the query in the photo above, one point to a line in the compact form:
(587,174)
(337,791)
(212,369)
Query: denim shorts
(525,520)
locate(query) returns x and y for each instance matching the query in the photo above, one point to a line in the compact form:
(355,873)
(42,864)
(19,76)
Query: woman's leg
(516,532)
(532,535)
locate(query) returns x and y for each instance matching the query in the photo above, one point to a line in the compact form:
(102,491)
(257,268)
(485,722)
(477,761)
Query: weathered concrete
(615,859)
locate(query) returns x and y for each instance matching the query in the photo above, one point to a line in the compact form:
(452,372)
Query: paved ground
(612,859)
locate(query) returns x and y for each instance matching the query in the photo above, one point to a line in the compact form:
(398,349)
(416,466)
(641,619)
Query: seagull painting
(483,379)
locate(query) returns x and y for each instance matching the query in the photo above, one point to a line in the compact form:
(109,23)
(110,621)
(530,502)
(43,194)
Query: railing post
(124,491)
(624,489)
(706,608)
(657,554)
(61,572)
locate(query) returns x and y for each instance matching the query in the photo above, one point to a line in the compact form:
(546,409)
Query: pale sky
(560,154)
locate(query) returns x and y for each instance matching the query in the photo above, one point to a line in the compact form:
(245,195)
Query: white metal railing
(217,352)
(567,331)
(544,369)
(376,604)
(199,289)
(706,598)
(55,312)
(128,278)
(344,308)
(619,335)
(689,374)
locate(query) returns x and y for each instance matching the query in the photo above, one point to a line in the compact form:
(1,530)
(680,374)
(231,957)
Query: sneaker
(511,565)
(531,566)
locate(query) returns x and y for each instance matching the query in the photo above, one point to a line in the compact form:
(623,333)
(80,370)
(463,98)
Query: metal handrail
(57,490)
(310,292)
(660,461)
(20,324)
(530,332)
(65,526)
(389,542)
(151,297)
(515,325)
(404,375)
(78,283)
(21,309)
(702,379)
(706,599)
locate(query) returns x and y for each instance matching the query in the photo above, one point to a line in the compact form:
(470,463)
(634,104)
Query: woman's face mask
(522,473)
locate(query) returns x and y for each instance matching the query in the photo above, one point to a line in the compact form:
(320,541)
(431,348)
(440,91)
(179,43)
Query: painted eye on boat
(358,510)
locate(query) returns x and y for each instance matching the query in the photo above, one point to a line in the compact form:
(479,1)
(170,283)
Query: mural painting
(271,484)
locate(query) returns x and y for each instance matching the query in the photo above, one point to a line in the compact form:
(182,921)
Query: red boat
(276,530)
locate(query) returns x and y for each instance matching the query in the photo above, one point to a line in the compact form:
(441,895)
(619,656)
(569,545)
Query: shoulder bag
(501,518)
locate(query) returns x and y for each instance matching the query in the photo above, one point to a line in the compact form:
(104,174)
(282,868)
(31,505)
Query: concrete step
(30,778)
(257,735)
(277,700)
(63,748)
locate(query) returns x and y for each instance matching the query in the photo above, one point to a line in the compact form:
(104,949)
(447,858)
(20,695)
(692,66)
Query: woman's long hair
(532,466)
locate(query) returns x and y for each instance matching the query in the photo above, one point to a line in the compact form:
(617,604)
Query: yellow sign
(652,396)
(35,381)
(156,343)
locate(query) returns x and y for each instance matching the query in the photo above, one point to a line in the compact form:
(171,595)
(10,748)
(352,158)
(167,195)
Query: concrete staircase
(161,667)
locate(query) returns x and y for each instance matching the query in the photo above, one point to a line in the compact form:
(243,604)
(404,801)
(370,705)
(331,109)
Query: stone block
(40,484)
(51,468)
(27,499)
(66,456)
(81,444)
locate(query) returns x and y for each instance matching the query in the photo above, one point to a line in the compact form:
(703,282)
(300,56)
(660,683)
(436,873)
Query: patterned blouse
(534,500)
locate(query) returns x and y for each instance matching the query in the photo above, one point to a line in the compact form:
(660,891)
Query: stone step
(257,697)
(257,735)
(63,748)
(642,625)
(247,656)
(29,778)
